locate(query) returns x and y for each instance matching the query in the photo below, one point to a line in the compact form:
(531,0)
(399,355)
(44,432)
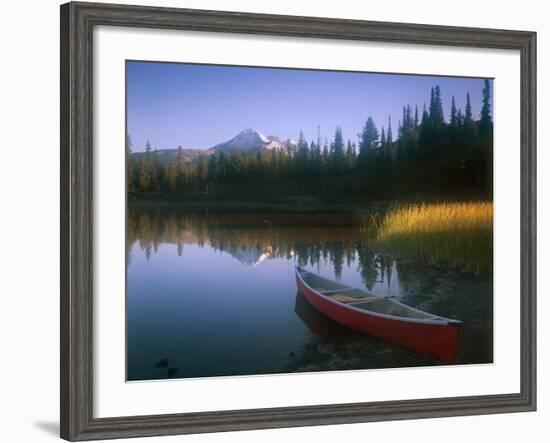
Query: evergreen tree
(350,157)
(302,148)
(338,153)
(302,154)
(214,170)
(460,118)
(389,139)
(315,156)
(172,177)
(468,119)
(384,158)
(235,166)
(388,150)
(425,117)
(368,140)
(436,108)
(485,120)
(454,114)
(145,178)
(432,105)
(325,156)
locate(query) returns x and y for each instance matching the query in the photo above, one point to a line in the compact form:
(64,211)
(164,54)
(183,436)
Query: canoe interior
(363,300)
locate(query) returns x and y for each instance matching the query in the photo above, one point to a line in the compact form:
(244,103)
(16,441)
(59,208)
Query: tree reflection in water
(252,238)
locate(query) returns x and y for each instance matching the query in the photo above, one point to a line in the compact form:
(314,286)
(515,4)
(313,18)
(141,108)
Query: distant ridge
(248,140)
(168,156)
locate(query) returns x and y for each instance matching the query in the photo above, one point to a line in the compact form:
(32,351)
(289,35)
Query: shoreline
(296,205)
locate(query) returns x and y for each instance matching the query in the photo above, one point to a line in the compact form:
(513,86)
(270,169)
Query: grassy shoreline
(458,235)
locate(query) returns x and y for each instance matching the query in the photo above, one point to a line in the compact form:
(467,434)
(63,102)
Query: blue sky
(199,106)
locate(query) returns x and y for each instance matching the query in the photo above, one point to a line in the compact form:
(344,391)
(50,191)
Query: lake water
(215,295)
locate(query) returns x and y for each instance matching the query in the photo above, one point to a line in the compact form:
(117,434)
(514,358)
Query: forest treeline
(429,157)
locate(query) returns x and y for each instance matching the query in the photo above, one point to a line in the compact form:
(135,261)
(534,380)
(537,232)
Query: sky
(199,106)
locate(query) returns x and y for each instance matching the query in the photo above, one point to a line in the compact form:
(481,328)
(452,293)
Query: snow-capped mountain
(250,140)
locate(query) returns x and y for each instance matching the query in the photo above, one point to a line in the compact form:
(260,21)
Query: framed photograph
(272,221)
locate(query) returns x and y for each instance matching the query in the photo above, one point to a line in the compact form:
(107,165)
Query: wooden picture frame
(77,23)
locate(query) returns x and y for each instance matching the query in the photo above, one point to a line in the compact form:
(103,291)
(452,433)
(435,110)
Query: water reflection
(214,294)
(314,241)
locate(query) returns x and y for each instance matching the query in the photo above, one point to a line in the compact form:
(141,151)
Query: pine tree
(145,173)
(368,140)
(338,153)
(460,118)
(425,117)
(432,105)
(350,156)
(325,156)
(389,139)
(235,166)
(213,169)
(302,155)
(172,177)
(302,147)
(157,172)
(485,120)
(454,114)
(436,108)
(388,148)
(383,159)
(468,120)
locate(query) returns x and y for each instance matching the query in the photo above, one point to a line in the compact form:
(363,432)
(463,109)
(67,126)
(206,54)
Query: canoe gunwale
(442,321)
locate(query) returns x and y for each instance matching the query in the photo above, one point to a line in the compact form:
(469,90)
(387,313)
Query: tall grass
(459,235)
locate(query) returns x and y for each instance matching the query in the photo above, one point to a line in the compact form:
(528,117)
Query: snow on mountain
(290,144)
(249,140)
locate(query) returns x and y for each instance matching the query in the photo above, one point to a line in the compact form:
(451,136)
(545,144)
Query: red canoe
(381,316)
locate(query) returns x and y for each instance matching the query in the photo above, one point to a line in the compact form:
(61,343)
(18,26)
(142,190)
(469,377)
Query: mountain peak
(248,140)
(250,130)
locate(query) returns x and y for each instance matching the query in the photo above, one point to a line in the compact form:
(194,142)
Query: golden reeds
(459,235)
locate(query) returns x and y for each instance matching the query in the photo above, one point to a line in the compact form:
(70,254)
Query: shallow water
(214,294)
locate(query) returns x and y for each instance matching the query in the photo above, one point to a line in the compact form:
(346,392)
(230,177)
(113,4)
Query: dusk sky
(199,106)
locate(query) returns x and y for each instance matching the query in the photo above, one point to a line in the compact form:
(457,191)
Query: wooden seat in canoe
(349,299)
